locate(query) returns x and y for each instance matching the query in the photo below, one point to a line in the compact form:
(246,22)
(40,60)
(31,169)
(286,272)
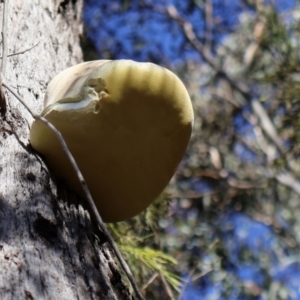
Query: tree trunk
(47,247)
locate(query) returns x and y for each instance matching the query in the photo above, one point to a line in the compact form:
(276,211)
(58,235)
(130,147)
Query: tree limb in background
(253,48)
(265,121)
(209,24)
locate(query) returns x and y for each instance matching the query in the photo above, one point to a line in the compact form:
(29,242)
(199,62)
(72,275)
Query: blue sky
(136,32)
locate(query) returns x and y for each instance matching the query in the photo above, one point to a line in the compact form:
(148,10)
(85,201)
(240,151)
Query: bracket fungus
(127,125)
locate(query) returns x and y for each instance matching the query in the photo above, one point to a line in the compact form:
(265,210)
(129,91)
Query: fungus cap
(127,125)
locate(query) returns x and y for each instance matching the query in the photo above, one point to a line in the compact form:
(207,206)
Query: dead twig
(152,278)
(166,286)
(191,276)
(224,98)
(253,48)
(267,125)
(289,180)
(85,188)
(22,52)
(209,24)
(190,34)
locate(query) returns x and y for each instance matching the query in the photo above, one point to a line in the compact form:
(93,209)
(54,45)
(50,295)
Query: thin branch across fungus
(3,105)
(85,188)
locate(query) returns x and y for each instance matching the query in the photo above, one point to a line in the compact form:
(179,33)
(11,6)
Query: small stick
(86,190)
(152,278)
(166,286)
(21,52)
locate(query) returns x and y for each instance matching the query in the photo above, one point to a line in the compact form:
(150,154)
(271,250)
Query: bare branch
(290,181)
(254,47)
(86,190)
(23,51)
(224,98)
(258,32)
(209,24)
(270,150)
(267,124)
(215,157)
(191,276)
(189,32)
(152,278)
(167,287)
(196,277)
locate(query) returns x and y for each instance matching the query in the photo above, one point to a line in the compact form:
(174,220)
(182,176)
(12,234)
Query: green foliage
(152,260)
(139,239)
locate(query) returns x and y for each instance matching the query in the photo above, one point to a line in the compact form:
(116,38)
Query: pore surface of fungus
(127,125)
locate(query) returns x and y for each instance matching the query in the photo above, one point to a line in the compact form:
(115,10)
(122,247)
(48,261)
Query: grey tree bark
(48,247)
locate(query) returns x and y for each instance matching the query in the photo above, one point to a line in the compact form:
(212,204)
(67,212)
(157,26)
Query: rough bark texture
(47,247)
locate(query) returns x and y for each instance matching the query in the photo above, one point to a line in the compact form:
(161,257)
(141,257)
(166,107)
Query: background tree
(48,246)
(234,219)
